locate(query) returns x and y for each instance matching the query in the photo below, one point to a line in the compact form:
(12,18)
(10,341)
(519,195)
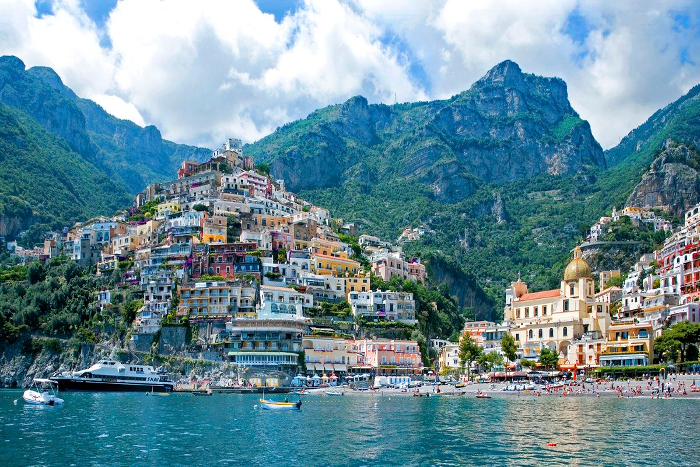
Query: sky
(213,69)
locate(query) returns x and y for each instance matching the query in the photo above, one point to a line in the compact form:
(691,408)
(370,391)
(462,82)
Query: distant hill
(44,182)
(678,121)
(130,155)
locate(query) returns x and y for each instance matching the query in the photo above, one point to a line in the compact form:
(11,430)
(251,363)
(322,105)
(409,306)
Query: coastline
(591,391)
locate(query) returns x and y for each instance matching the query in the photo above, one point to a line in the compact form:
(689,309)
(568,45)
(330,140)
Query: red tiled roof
(537,295)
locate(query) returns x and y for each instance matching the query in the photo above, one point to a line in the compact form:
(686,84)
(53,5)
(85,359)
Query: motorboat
(42,392)
(335,393)
(110,375)
(268,404)
(481,395)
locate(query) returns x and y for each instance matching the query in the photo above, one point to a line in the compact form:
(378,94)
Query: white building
(283,303)
(392,306)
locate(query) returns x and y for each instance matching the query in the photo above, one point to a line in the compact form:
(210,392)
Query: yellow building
(214,230)
(325,354)
(555,318)
(321,246)
(168,208)
(356,283)
(629,344)
(333,265)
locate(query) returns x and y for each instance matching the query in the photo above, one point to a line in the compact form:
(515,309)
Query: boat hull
(273,405)
(36,398)
(68,384)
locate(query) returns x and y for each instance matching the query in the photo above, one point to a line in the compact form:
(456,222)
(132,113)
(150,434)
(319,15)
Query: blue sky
(204,71)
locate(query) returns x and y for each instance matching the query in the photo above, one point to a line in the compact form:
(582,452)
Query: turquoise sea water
(226,429)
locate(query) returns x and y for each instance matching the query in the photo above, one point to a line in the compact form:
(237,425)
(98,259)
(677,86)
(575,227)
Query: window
(566,331)
(571,290)
(551,332)
(527,312)
(566,305)
(540,333)
(535,311)
(517,313)
(517,336)
(544,310)
(530,334)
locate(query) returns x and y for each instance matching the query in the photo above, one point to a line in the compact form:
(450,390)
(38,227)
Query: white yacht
(110,375)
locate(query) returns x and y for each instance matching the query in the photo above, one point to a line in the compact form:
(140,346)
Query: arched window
(527,313)
(540,333)
(551,332)
(530,333)
(566,331)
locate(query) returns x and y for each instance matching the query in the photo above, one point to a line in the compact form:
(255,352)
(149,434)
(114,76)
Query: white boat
(42,392)
(335,393)
(268,404)
(110,375)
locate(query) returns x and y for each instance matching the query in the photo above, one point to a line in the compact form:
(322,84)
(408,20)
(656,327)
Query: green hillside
(43,181)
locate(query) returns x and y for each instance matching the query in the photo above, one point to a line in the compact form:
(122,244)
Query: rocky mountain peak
(672,182)
(505,74)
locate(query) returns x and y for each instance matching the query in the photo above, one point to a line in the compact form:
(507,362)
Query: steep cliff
(672,182)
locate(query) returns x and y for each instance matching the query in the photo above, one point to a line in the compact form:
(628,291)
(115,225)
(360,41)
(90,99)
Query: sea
(134,429)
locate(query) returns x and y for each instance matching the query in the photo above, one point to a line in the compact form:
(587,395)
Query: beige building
(325,354)
(555,318)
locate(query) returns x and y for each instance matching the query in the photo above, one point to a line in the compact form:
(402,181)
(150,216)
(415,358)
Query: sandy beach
(621,388)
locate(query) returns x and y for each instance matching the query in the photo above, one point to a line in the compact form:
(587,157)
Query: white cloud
(203,72)
(119,108)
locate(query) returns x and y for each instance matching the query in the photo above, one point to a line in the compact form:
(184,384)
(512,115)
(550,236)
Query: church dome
(577,267)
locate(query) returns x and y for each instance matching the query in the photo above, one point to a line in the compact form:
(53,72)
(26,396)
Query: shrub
(53,345)
(32,346)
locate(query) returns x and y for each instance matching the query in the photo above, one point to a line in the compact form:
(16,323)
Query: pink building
(393,264)
(385,356)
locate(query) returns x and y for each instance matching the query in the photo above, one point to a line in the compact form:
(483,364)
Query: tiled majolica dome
(577,268)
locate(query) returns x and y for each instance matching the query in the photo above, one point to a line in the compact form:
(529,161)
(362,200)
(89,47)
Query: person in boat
(286,399)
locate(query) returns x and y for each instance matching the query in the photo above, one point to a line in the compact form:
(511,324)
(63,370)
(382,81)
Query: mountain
(509,125)
(663,153)
(130,155)
(502,177)
(678,121)
(44,182)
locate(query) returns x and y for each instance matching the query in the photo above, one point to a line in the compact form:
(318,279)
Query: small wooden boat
(481,395)
(268,404)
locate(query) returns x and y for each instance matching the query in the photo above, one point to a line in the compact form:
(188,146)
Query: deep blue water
(225,429)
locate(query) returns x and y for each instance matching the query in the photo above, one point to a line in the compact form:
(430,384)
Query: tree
(36,272)
(508,347)
(487,360)
(263,169)
(667,347)
(129,311)
(469,351)
(549,358)
(683,334)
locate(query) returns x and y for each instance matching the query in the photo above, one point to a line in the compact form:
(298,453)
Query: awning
(568,367)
